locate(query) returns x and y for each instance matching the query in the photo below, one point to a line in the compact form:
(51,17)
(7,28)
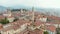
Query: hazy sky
(35,3)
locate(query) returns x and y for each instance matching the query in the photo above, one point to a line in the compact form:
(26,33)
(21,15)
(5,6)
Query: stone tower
(9,12)
(33,13)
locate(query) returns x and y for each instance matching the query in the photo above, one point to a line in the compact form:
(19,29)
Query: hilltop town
(21,21)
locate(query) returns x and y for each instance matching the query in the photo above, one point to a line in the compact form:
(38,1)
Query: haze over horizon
(31,3)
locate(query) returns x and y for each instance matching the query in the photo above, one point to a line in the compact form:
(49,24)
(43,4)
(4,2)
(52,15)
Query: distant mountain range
(52,11)
(2,8)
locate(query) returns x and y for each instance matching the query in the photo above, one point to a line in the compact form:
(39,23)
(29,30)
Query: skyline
(31,3)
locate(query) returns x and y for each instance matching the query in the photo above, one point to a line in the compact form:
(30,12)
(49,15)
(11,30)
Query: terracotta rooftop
(2,17)
(38,22)
(32,32)
(15,25)
(51,28)
(54,17)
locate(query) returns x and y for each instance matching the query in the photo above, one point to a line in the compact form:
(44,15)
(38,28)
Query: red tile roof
(54,17)
(2,17)
(51,28)
(32,32)
(38,22)
(16,25)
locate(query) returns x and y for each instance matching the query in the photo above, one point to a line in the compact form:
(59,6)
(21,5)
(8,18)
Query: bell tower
(32,15)
(9,12)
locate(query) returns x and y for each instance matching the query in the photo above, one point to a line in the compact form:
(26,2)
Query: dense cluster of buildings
(29,22)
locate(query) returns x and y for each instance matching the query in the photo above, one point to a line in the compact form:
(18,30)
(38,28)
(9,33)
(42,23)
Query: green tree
(4,21)
(58,30)
(45,32)
(15,19)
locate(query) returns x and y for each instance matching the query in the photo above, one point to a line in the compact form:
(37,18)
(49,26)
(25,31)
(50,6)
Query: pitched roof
(15,25)
(2,17)
(32,32)
(38,22)
(51,28)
